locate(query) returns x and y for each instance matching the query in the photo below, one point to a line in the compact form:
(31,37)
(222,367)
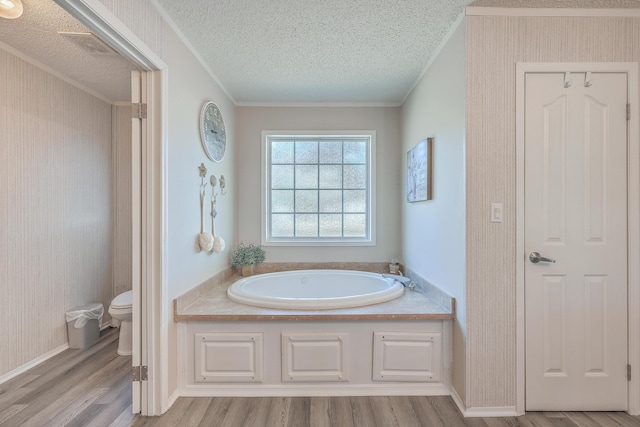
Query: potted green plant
(245,257)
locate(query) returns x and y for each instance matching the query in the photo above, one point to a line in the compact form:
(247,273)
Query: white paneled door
(576,241)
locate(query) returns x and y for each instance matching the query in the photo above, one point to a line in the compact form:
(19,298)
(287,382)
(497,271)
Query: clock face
(212,132)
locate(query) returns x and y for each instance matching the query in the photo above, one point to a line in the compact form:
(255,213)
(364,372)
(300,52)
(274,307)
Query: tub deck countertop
(214,305)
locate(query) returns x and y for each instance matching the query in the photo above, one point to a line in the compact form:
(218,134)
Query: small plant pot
(247,270)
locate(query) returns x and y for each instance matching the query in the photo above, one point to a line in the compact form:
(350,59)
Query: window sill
(319,243)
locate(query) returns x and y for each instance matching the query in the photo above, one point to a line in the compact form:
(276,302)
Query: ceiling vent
(88,42)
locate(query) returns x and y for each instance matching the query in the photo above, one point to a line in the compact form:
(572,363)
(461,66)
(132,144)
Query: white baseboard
(315,390)
(457,400)
(38,360)
(171,400)
(105,326)
(494,411)
(491,411)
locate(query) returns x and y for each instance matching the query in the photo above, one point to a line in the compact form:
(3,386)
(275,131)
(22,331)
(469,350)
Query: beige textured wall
(122,261)
(494,46)
(384,120)
(55,208)
(142,18)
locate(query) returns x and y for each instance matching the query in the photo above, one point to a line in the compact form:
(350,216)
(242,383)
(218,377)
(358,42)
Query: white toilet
(120,310)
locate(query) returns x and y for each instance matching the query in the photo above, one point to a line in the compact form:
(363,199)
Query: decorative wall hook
(568,81)
(214,182)
(222,185)
(587,79)
(205,240)
(218,242)
(203,171)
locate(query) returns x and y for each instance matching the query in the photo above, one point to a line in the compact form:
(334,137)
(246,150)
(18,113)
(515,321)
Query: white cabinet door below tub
(407,356)
(228,357)
(315,356)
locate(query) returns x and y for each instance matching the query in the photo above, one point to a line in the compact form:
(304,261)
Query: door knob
(535,258)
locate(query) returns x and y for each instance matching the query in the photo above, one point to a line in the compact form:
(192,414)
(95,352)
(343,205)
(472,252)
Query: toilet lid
(125,299)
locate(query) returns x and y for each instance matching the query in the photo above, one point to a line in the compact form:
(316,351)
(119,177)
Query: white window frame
(266,240)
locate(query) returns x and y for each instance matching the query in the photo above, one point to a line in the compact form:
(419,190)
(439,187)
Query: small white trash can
(83,325)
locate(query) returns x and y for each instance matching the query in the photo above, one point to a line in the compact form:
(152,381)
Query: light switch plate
(496,212)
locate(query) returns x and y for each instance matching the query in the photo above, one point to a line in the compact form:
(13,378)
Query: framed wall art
(420,171)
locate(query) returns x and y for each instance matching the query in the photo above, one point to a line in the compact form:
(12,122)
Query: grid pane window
(282,176)
(282,225)
(330,176)
(306,176)
(306,225)
(355,201)
(354,225)
(306,201)
(281,201)
(331,152)
(306,152)
(354,152)
(331,201)
(355,176)
(318,188)
(330,225)
(282,151)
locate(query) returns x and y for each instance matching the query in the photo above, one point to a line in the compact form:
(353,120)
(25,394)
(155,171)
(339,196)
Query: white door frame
(633,209)
(150,212)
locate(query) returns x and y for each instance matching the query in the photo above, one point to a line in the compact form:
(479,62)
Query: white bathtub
(315,289)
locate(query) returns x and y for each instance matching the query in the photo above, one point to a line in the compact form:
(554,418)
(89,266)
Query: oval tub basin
(315,289)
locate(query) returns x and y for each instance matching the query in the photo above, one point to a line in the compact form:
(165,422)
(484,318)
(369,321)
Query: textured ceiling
(277,51)
(35,34)
(369,51)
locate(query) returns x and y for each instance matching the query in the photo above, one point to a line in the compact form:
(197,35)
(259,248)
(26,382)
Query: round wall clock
(212,131)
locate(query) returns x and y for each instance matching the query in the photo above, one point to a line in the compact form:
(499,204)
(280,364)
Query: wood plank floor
(93,388)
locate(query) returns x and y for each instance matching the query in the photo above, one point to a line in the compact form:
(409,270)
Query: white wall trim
(312,390)
(193,51)
(551,11)
(114,198)
(633,307)
(318,104)
(162,311)
(105,325)
(172,399)
(520,302)
(491,411)
(454,27)
(95,16)
(633,208)
(35,362)
(458,401)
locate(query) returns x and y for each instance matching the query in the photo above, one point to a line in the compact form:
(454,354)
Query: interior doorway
(576,216)
(577,153)
(147,204)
